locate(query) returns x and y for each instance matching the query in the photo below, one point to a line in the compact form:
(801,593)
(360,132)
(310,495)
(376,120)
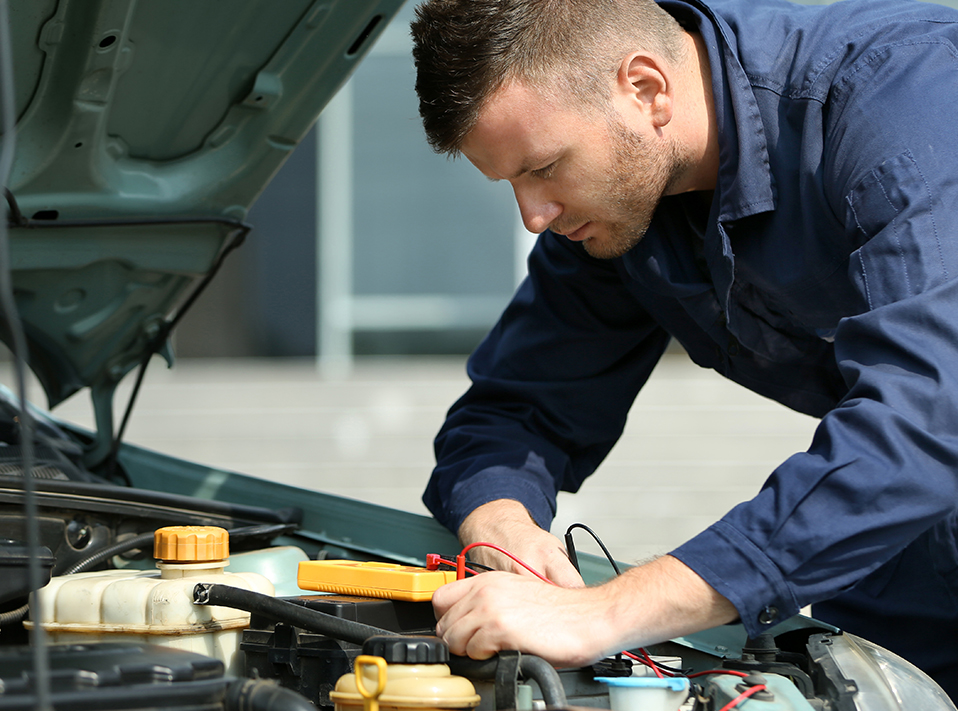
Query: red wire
(649,662)
(507,553)
(647,659)
(744,695)
(719,671)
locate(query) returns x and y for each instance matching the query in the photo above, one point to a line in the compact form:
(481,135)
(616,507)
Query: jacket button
(768,616)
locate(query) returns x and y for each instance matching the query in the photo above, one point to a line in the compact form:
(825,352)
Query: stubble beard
(640,175)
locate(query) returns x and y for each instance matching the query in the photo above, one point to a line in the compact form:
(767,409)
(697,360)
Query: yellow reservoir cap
(403,687)
(372,579)
(191,544)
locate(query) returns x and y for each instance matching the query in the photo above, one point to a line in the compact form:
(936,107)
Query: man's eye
(544,172)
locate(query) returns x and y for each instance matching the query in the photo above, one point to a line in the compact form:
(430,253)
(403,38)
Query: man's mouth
(579,234)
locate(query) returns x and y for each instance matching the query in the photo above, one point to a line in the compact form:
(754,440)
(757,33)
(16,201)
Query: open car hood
(145,131)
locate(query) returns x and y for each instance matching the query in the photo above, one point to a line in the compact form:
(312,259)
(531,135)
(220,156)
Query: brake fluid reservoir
(156,606)
(400,673)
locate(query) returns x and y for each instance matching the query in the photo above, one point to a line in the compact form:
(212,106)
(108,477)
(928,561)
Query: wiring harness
(752,684)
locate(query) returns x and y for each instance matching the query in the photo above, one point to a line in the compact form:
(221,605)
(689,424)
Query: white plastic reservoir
(156,606)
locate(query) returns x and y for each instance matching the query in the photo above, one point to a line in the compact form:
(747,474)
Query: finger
(445,596)
(472,631)
(466,606)
(454,601)
(481,645)
(459,630)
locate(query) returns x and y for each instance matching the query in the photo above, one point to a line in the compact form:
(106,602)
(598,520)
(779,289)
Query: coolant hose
(530,667)
(264,695)
(288,612)
(545,675)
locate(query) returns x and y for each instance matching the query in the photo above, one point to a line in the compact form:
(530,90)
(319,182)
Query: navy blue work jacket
(822,274)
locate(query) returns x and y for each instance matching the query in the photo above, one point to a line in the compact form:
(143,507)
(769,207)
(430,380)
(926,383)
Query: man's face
(574,169)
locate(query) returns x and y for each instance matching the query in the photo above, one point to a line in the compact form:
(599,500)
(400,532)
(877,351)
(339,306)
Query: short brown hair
(466,49)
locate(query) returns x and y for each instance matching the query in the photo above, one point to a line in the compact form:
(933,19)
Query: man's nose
(538,212)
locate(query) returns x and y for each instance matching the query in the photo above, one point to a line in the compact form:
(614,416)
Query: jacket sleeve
(883,466)
(552,384)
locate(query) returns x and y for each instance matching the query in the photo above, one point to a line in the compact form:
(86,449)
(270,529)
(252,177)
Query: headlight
(877,680)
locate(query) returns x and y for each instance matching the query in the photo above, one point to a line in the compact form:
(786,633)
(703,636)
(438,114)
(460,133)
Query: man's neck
(699,146)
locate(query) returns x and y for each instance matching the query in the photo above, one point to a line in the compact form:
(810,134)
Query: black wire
(108,552)
(13,616)
(111,465)
(570,551)
(41,660)
(598,540)
(572,556)
(472,564)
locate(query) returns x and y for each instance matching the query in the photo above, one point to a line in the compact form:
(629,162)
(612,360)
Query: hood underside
(144,132)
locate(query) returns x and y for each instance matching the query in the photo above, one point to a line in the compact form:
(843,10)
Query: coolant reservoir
(156,606)
(401,673)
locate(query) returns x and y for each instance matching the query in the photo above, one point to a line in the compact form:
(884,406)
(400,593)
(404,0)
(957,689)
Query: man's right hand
(507,524)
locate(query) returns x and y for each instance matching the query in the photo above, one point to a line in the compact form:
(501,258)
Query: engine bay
(297,646)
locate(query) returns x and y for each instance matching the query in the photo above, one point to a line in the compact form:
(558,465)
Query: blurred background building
(366,241)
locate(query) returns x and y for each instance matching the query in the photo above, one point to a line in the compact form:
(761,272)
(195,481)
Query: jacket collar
(745,185)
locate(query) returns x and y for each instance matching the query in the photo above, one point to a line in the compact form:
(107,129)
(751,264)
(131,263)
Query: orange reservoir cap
(191,544)
(372,579)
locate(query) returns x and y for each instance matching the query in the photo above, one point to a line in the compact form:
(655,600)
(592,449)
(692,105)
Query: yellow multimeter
(372,579)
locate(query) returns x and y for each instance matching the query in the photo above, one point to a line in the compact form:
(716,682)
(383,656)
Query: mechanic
(773,185)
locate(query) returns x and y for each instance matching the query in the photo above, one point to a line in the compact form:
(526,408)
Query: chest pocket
(902,253)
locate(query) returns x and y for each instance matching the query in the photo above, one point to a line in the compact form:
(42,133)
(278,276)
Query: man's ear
(643,84)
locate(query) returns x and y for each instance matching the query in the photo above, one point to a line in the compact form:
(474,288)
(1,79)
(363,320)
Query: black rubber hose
(530,667)
(288,612)
(264,695)
(479,669)
(545,675)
